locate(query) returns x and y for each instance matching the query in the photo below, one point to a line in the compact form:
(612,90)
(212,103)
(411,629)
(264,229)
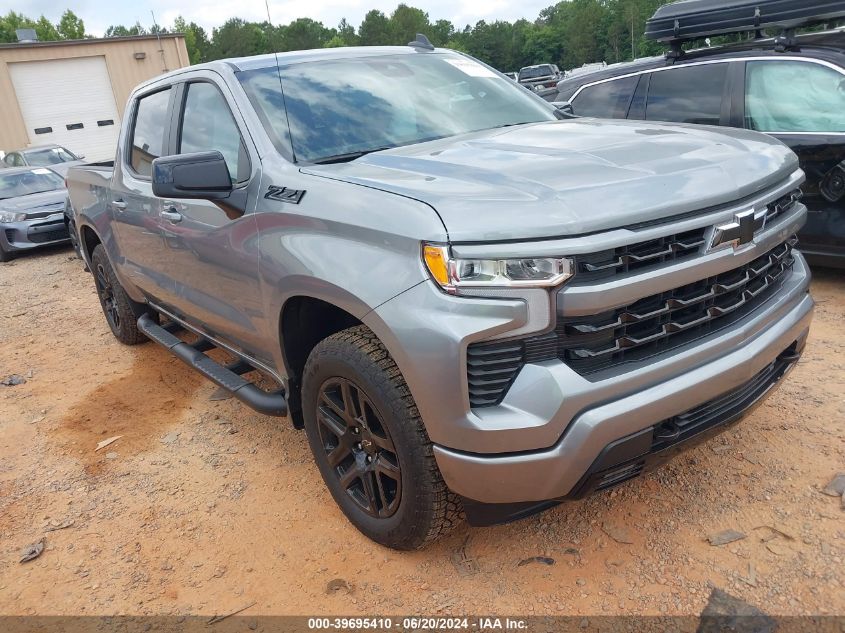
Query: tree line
(569,34)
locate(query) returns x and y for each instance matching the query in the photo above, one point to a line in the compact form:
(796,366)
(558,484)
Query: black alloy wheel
(107,298)
(359,448)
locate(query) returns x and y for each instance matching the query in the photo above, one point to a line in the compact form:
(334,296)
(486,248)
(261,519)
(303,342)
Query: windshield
(538,71)
(29,182)
(51,156)
(343,108)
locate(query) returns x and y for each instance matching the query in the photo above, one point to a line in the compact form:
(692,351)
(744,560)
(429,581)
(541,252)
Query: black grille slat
(640,255)
(654,324)
(660,251)
(630,334)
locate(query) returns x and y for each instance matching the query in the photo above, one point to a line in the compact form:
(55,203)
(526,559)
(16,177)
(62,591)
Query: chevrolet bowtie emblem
(740,231)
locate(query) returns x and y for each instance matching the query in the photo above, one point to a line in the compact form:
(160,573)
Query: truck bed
(88,187)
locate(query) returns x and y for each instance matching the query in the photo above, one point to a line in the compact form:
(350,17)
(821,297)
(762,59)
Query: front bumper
(28,234)
(553,424)
(570,467)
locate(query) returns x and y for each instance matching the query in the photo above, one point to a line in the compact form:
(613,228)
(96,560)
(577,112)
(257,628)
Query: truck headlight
(8,216)
(529,272)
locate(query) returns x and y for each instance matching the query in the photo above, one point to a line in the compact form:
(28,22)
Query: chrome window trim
(767,58)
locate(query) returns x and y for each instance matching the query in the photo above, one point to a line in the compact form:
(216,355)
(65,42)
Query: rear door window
(689,94)
(794,96)
(148,131)
(608,100)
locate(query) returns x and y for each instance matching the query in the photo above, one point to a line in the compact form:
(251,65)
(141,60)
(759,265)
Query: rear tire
(120,311)
(370,444)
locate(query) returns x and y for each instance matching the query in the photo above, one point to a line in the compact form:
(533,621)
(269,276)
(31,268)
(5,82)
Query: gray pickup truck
(473,307)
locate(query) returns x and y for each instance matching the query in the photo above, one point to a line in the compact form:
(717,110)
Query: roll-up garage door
(69,102)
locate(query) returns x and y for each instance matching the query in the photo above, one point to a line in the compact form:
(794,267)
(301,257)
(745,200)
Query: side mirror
(565,108)
(80,157)
(202,176)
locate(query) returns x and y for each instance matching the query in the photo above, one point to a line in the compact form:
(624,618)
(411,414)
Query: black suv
(794,92)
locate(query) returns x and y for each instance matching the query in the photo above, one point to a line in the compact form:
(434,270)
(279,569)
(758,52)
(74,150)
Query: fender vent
(491,368)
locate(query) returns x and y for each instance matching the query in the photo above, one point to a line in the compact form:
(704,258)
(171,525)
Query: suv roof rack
(686,20)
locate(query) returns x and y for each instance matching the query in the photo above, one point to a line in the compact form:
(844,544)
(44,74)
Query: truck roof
(268,60)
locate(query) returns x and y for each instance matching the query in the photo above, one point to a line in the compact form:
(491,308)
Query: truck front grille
(661,251)
(667,320)
(632,333)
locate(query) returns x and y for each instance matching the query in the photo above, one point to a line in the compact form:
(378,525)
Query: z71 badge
(283,194)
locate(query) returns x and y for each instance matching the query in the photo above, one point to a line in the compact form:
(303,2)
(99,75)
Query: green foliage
(335,42)
(122,31)
(375,30)
(304,34)
(70,27)
(237,38)
(196,40)
(569,33)
(346,34)
(406,22)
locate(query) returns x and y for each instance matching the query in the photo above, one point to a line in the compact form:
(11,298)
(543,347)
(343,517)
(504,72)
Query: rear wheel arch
(89,240)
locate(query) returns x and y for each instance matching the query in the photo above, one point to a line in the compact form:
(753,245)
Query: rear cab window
(148,129)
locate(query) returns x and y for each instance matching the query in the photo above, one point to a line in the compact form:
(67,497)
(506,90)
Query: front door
(210,254)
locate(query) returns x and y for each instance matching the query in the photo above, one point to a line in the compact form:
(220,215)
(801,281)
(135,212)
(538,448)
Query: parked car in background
(409,244)
(56,157)
(512,75)
(793,90)
(32,203)
(584,68)
(540,77)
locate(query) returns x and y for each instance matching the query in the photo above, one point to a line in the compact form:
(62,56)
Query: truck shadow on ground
(137,404)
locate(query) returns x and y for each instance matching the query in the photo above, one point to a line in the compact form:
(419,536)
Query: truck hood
(571,177)
(53,201)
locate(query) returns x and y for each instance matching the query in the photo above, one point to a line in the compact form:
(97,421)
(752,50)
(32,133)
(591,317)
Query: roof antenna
(422,42)
(160,47)
(279,74)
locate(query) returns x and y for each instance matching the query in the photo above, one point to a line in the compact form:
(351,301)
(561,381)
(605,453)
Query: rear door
(133,208)
(802,103)
(210,257)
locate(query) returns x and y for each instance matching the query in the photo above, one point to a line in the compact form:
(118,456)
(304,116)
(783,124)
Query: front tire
(370,444)
(120,311)
(5,256)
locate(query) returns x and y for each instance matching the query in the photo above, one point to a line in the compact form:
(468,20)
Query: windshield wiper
(349,156)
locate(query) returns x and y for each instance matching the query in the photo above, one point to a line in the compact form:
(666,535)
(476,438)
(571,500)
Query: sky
(98,15)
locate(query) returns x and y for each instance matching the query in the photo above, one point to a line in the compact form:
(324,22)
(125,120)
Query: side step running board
(224,376)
